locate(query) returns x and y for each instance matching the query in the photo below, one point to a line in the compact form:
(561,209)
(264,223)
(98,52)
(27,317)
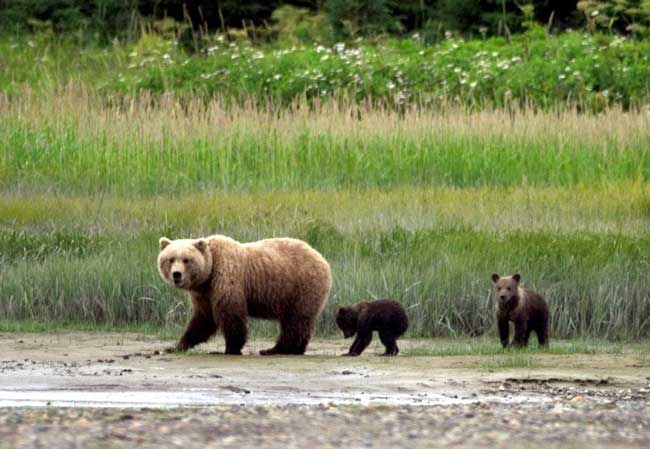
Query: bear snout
(177,277)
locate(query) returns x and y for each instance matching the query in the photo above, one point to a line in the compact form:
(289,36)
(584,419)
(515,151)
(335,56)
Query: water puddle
(226,396)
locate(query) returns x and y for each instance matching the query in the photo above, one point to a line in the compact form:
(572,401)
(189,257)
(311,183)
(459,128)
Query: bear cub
(525,308)
(385,316)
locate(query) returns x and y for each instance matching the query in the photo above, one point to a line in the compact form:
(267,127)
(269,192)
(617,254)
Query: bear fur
(525,308)
(386,316)
(279,279)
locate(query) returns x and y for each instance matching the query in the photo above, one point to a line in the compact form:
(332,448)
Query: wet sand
(71,386)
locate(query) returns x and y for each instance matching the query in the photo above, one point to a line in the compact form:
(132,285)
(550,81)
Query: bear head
(346,320)
(185,263)
(506,288)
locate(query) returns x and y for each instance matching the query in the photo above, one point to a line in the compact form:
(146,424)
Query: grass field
(72,141)
(418,205)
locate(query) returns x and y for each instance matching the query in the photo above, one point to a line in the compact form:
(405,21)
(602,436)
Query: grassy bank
(419,205)
(92,259)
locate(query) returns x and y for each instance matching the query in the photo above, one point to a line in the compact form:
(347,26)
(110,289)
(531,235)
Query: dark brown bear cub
(525,308)
(385,316)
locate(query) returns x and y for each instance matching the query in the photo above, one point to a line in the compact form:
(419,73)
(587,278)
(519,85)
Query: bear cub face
(184,263)
(506,288)
(346,320)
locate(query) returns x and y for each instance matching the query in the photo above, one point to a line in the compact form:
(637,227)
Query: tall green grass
(74,142)
(418,205)
(92,260)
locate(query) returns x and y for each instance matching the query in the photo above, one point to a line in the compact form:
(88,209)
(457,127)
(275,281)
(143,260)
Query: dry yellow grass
(154,119)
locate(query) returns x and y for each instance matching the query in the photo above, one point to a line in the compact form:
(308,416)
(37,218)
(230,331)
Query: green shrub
(543,71)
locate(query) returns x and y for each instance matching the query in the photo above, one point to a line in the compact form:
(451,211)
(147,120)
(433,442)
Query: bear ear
(201,245)
(164,241)
(495,277)
(516,277)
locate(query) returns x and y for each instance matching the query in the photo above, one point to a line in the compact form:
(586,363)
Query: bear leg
(198,330)
(521,331)
(360,343)
(389,341)
(231,315)
(295,333)
(504,331)
(542,334)
(527,335)
(235,332)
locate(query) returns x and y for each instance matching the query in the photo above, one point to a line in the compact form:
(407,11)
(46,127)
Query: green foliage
(295,26)
(351,18)
(107,19)
(632,16)
(100,18)
(591,72)
(499,17)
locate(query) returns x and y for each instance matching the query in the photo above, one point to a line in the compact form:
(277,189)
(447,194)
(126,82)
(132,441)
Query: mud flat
(101,390)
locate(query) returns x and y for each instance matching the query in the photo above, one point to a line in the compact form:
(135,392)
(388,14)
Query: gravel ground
(575,423)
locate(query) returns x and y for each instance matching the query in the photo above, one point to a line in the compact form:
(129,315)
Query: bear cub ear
(164,242)
(495,277)
(516,277)
(201,245)
(344,312)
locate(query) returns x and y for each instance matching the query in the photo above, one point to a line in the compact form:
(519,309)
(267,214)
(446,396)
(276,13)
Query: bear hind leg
(235,333)
(542,334)
(295,333)
(390,342)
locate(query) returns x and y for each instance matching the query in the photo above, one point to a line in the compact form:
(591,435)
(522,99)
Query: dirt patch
(103,388)
(122,370)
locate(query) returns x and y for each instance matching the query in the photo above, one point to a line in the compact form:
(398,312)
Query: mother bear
(275,279)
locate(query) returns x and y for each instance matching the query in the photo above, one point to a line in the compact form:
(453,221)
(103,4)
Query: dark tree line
(108,18)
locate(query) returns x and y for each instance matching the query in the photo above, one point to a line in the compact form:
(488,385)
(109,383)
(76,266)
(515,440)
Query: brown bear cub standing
(525,308)
(386,316)
(278,279)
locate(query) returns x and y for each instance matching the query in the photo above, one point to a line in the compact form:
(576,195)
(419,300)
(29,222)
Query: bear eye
(185,261)
(171,260)
(508,288)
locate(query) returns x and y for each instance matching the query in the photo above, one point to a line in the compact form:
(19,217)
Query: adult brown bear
(276,279)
